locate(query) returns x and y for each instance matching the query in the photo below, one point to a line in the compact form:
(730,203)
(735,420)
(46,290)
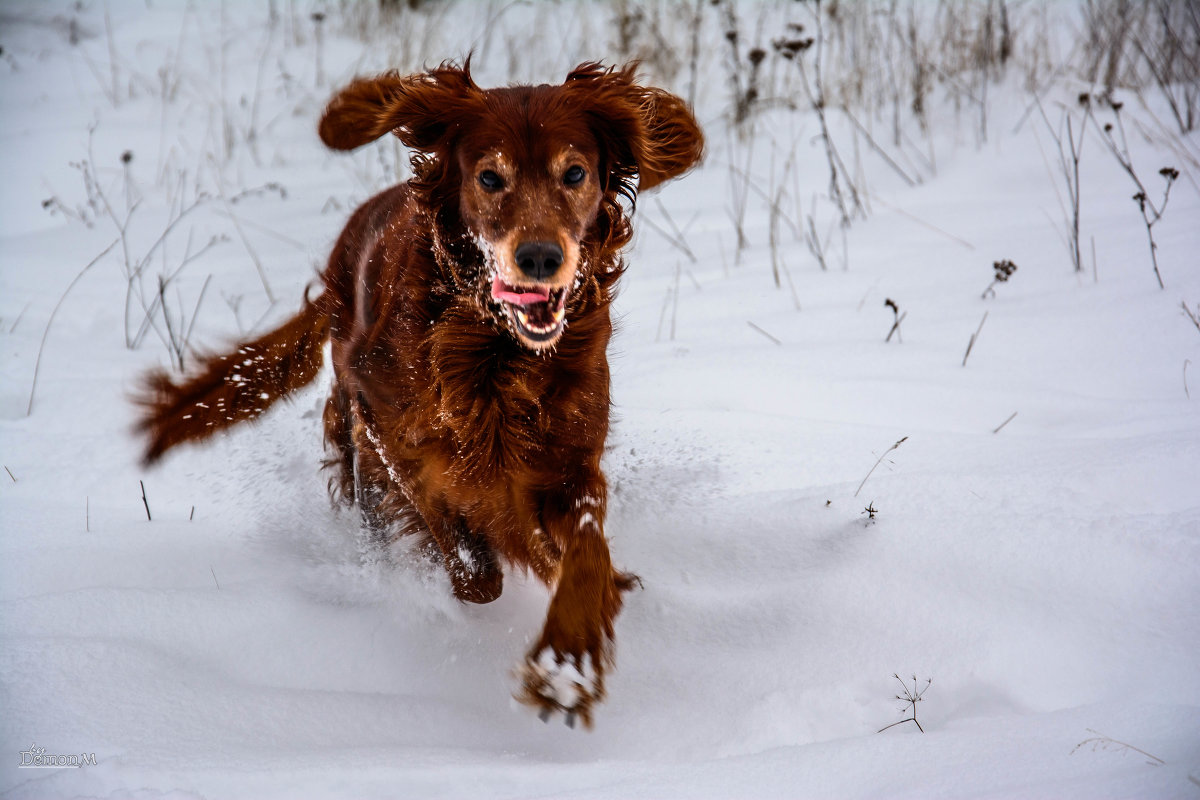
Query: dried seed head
(1004,269)
(789,47)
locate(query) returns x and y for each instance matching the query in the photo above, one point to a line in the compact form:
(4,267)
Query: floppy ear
(673,142)
(419,109)
(643,130)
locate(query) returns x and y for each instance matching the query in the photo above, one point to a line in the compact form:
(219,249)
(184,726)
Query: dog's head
(533,172)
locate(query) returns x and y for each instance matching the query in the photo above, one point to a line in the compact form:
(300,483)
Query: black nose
(539,260)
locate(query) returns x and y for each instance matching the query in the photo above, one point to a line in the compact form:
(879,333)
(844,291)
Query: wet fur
(442,422)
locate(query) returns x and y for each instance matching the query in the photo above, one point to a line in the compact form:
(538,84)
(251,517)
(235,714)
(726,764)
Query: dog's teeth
(556,320)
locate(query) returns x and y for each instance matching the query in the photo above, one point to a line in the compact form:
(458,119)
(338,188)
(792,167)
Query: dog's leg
(473,566)
(364,473)
(339,438)
(565,669)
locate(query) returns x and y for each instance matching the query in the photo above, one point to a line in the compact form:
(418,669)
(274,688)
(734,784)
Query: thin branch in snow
(38,362)
(974,336)
(764,333)
(923,223)
(898,318)
(910,697)
(1069,150)
(237,226)
(877,463)
(1102,742)
(145,502)
(1151,213)
(17,321)
(1195,318)
(1011,417)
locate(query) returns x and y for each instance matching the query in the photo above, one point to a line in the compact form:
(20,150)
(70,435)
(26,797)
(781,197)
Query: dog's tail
(232,387)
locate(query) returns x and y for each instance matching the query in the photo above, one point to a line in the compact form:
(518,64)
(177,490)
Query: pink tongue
(508,294)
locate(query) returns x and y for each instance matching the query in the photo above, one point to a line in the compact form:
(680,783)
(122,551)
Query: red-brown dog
(469,316)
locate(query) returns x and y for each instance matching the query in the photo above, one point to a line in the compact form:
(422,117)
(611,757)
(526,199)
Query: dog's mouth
(538,313)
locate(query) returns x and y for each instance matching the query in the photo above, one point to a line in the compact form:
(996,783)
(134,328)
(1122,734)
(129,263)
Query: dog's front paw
(554,683)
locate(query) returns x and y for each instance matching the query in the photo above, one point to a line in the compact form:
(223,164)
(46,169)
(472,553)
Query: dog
(468,312)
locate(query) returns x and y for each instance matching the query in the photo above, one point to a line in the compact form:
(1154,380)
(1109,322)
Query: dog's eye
(491,180)
(574,176)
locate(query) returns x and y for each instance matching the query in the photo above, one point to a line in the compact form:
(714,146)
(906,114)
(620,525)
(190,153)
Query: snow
(246,641)
(564,683)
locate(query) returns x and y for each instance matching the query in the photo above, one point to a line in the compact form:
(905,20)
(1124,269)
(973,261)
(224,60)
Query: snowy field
(1036,575)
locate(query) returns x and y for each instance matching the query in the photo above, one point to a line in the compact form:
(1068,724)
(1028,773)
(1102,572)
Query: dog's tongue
(519,297)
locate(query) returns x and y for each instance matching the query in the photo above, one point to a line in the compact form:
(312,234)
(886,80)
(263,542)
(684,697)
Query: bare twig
(145,502)
(17,321)
(1011,417)
(237,226)
(764,333)
(923,223)
(813,240)
(1193,317)
(842,190)
(1102,742)
(974,336)
(1151,213)
(676,241)
(911,697)
(9,471)
(38,362)
(882,153)
(675,300)
(662,314)
(898,317)
(877,463)
(187,337)
(1069,153)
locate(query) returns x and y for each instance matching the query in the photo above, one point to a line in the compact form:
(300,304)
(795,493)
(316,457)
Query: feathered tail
(232,387)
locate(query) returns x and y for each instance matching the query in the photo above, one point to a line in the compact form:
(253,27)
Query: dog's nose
(539,260)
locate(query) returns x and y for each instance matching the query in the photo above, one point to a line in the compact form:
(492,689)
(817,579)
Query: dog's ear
(420,109)
(643,130)
(673,143)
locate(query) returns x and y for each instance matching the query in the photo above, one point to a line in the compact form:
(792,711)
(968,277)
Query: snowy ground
(1046,577)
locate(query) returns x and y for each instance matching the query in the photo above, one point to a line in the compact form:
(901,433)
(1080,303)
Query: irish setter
(468,311)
